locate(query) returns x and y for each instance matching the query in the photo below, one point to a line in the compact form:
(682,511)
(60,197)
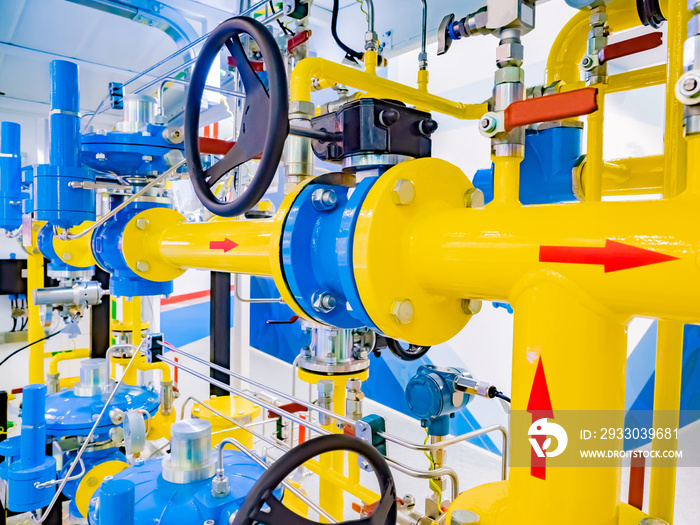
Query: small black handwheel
(265,122)
(277,514)
(410,353)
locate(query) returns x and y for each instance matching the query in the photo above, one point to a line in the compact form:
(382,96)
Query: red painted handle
(630,47)
(298,40)
(291,320)
(209,146)
(551,107)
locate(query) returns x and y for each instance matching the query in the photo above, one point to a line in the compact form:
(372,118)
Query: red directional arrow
(613,256)
(539,405)
(225,245)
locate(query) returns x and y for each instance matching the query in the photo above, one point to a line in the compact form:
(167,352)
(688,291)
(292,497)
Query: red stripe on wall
(174,299)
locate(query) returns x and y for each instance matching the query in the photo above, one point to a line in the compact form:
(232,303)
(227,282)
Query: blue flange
(123,153)
(106,247)
(317,244)
(71,415)
(165,503)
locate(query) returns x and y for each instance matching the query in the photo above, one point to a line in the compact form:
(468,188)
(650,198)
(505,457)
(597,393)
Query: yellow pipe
(35,330)
(80,353)
(667,402)
(630,176)
(593,175)
(135,303)
(627,81)
(483,253)
(164,368)
(331,73)
(506,180)
(570,45)
(692,189)
(166,244)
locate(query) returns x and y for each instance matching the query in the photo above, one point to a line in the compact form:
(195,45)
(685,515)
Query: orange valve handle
(551,107)
(630,47)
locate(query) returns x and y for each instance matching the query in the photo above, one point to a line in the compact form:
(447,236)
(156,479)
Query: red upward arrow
(225,245)
(613,256)
(539,405)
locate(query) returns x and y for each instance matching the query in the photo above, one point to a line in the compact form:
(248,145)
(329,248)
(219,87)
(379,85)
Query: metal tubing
(428,474)
(247,396)
(311,503)
(252,300)
(256,384)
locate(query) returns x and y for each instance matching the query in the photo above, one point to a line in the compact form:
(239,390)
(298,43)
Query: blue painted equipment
(546,172)
(106,243)
(55,201)
(10,177)
(25,460)
(117,498)
(320,270)
(178,488)
(433,397)
(55,264)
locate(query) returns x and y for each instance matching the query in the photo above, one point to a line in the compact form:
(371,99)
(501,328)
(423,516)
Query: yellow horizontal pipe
(630,176)
(484,253)
(627,81)
(329,73)
(80,353)
(159,244)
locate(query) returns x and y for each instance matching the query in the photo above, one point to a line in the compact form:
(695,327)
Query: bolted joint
(588,62)
(142,266)
(323,302)
(402,311)
(403,192)
(688,88)
(371,41)
(510,54)
(100,156)
(491,124)
(324,200)
(142,223)
(474,198)
(116,416)
(147,158)
(220,487)
(471,306)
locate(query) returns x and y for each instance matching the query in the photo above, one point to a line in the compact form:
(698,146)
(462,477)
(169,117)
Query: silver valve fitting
(325,400)
(80,294)
(469,385)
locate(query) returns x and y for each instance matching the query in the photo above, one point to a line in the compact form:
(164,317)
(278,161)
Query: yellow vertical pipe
(693,165)
(506,172)
(135,320)
(35,330)
(675,147)
(667,400)
(593,174)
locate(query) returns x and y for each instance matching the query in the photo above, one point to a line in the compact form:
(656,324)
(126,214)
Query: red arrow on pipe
(539,405)
(614,256)
(226,245)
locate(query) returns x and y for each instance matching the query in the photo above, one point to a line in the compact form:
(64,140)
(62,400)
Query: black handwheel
(265,122)
(277,514)
(411,353)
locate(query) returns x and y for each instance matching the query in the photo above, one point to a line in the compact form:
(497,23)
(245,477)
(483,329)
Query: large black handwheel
(277,514)
(265,122)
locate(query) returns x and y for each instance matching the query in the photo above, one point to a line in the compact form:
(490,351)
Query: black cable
(30,344)
(350,53)
(284,28)
(502,396)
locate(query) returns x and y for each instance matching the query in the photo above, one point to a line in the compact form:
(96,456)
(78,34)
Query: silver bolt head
(147,158)
(402,311)
(409,500)
(220,487)
(100,156)
(354,384)
(330,360)
(324,200)
(66,256)
(142,266)
(325,388)
(323,302)
(142,223)
(403,193)
(471,306)
(690,86)
(488,123)
(116,416)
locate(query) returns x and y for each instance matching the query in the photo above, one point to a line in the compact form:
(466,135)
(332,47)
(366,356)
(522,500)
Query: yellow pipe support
(80,353)
(675,147)
(631,176)
(135,303)
(159,244)
(667,402)
(593,175)
(330,73)
(35,329)
(506,180)
(570,45)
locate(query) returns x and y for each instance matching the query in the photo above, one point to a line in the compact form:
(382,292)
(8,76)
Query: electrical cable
(350,53)
(30,344)
(432,484)
(502,396)
(283,27)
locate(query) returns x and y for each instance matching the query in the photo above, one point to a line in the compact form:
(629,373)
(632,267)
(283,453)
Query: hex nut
(142,266)
(100,156)
(323,302)
(220,487)
(66,256)
(598,18)
(464,517)
(354,384)
(325,388)
(142,223)
(403,192)
(488,123)
(510,53)
(324,199)
(471,306)
(147,158)
(402,311)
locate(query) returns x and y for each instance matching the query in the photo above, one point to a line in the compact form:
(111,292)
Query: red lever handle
(551,107)
(630,47)
(291,320)
(209,146)
(298,40)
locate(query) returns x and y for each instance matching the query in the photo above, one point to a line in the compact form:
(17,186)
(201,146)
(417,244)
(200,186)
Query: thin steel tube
(165,174)
(252,300)
(79,455)
(249,397)
(256,384)
(230,420)
(252,455)
(428,474)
